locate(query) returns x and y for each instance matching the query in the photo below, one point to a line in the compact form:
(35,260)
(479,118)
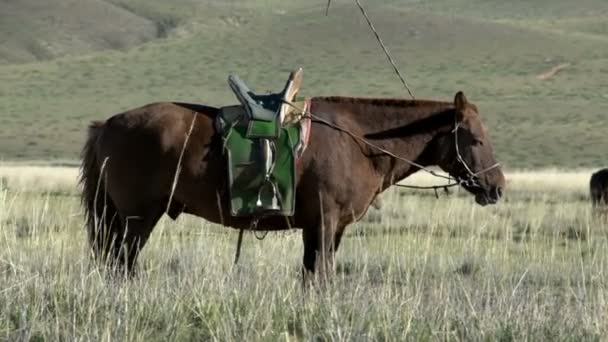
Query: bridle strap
(472,176)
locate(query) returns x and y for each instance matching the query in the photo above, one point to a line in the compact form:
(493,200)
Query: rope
(428,187)
(365,141)
(387,152)
(431,187)
(470,181)
(239,242)
(390,59)
(388,55)
(252,226)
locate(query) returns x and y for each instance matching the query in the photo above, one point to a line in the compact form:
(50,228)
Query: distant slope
(580,16)
(492,55)
(33,30)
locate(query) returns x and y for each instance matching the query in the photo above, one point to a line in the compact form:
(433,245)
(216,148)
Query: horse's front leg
(320,245)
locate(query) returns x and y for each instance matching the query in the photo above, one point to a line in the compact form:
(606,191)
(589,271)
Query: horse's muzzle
(489,196)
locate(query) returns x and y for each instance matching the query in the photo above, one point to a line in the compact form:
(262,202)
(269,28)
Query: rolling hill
(492,50)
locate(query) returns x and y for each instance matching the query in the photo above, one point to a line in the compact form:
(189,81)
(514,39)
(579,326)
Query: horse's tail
(100,211)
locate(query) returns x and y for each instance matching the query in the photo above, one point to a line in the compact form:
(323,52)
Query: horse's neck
(403,127)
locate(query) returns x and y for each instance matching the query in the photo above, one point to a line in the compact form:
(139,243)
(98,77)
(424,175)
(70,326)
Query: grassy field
(533,267)
(492,50)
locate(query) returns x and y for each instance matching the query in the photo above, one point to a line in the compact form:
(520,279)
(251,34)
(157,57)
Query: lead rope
(308,113)
(402,79)
(390,59)
(379,39)
(470,180)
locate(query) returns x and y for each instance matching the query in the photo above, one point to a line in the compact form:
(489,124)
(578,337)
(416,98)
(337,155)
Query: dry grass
(39,178)
(544,180)
(531,268)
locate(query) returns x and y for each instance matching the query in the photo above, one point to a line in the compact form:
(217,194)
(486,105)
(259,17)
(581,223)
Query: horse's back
(160,116)
(142,146)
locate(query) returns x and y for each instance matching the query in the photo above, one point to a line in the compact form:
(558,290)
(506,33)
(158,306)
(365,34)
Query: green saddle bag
(251,192)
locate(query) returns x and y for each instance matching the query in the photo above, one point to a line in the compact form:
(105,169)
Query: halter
(472,178)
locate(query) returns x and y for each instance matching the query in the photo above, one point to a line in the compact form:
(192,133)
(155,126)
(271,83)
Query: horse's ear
(460,101)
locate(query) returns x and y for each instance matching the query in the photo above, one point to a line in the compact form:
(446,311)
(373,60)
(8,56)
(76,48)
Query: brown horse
(358,148)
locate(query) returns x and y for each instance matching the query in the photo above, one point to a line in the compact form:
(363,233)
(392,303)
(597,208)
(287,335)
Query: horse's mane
(386,102)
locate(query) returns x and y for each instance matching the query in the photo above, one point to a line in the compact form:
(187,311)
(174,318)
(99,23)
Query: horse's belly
(214,208)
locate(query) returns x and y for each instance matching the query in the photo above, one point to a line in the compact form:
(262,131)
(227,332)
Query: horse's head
(468,155)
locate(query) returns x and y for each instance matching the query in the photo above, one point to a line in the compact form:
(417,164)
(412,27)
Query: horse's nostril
(498,192)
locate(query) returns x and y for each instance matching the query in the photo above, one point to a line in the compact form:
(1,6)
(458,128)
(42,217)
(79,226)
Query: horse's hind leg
(104,231)
(138,224)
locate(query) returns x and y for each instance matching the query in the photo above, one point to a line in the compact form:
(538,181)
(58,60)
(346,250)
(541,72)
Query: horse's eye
(477,142)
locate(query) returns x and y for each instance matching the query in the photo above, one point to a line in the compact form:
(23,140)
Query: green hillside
(34,30)
(492,50)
